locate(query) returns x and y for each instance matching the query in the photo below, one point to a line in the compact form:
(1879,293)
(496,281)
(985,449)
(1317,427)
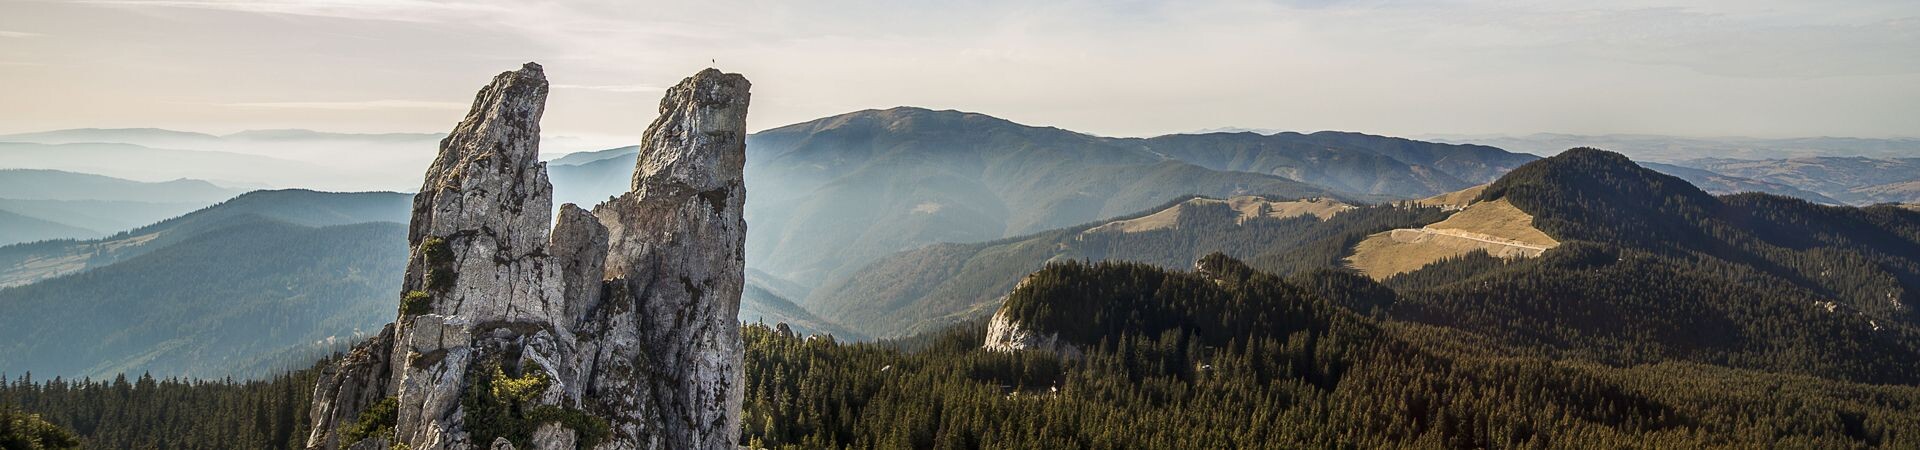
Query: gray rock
(628,311)
(675,266)
(358,381)
(1004,334)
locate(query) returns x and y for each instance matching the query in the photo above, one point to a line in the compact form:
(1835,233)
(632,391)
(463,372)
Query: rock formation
(610,329)
(1007,334)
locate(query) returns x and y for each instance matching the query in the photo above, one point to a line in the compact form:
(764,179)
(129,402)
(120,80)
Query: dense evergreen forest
(146,413)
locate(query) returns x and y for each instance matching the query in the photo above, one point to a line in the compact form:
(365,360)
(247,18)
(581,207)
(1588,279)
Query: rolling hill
(26,263)
(929,288)
(1854,179)
(1651,268)
(1718,184)
(51,204)
(246,298)
(16,228)
(835,193)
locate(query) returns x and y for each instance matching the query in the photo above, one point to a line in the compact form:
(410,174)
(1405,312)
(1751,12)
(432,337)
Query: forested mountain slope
(928,288)
(1653,269)
(840,191)
(50,204)
(25,263)
(252,297)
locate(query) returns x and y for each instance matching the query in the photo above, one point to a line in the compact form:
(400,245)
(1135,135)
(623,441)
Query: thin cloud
(384,10)
(620,88)
(19,34)
(352,106)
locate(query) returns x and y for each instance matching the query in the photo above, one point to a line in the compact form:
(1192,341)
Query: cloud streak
(351,106)
(617,88)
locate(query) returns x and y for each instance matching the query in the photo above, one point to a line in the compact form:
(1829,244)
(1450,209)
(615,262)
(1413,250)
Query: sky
(1763,68)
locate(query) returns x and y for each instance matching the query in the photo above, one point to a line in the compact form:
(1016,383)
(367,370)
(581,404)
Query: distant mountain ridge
(1854,180)
(1719,184)
(51,204)
(927,288)
(26,263)
(40,184)
(845,189)
(1672,149)
(164,137)
(248,297)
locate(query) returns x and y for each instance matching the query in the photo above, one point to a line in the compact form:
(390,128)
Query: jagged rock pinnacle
(677,253)
(623,318)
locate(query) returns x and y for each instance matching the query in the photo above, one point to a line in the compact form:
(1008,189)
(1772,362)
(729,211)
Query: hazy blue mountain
(148,163)
(1472,163)
(578,158)
(247,296)
(294,134)
(37,184)
(288,157)
(591,182)
(758,304)
(156,137)
(1312,159)
(1676,149)
(25,263)
(834,193)
(102,217)
(1719,184)
(1855,180)
(16,228)
(142,136)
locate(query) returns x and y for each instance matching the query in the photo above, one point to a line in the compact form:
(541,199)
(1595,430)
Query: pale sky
(1765,68)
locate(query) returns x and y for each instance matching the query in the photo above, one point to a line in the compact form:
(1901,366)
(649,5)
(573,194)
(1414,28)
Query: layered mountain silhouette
(1854,179)
(40,205)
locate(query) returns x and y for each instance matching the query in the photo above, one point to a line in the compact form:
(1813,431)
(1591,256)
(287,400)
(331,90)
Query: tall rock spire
(616,330)
(676,264)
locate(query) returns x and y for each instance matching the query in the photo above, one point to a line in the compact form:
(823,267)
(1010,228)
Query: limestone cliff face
(610,329)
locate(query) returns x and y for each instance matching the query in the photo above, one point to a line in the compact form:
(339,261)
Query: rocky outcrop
(610,329)
(1006,334)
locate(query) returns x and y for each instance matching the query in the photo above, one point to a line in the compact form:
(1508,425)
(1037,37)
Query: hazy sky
(1748,67)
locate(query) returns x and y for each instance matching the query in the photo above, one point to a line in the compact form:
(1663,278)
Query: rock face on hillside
(1007,334)
(610,329)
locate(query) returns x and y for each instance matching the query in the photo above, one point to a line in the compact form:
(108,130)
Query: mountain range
(1673,149)
(844,190)
(891,223)
(40,205)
